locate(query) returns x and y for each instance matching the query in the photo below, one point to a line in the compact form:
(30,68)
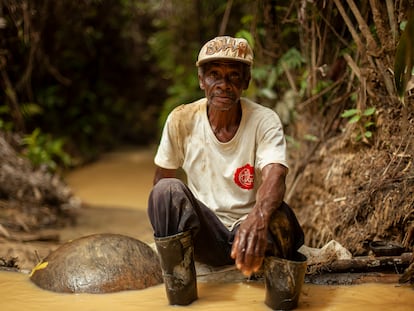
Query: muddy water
(116,188)
(121,178)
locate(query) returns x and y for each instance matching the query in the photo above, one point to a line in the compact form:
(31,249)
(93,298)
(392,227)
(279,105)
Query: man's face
(223,83)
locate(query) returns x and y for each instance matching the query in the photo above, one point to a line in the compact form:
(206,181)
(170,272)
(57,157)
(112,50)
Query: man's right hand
(250,243)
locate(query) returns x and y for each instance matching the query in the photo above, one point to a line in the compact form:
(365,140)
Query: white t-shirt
(224,176)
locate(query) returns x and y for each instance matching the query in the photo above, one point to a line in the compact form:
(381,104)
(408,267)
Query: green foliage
(310,137)
(292,59)
(5,124)
(82,70)
(363,120)
(267,77)
(292,142)
(178,38)
(320,86)
(44,151)
(246,35)
(185,83)
(31,109)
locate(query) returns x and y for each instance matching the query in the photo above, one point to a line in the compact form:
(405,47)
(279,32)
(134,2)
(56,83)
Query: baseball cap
(226,48)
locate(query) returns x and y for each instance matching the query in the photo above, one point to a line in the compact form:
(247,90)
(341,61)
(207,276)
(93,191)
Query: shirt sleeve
(271,141)
(169,153)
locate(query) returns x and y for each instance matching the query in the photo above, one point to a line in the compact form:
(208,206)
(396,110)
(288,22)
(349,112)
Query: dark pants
(172,208)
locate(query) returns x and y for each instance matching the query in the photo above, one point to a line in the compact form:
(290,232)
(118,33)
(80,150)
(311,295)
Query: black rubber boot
(177,263)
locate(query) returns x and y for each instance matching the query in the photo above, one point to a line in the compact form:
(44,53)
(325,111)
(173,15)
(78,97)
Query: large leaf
(404,56)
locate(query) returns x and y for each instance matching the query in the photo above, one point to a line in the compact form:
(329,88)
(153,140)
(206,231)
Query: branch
(12,101)
(371,43)
(290,78)
(225,19)
(380,25)
(350,26)
(55,73)
(391,19)
(367,263)
(354,67)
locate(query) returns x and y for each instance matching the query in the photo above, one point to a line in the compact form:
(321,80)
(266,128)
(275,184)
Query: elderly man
(233,151)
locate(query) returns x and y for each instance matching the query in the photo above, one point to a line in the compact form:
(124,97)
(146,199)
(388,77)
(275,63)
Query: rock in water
(99,263)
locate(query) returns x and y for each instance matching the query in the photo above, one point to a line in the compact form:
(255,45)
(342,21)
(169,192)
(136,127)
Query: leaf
(4,109)
(355,119)
(39,266)
(31,109)
(310,137)
(246,35)
(349,113)
(369,111)
(368,124)
(268,93)
(292,58)
(368,134)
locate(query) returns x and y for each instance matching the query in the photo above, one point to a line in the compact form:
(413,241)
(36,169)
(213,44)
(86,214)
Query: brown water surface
(122,178)
(116,189)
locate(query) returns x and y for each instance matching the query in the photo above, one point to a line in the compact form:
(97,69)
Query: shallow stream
(116,189)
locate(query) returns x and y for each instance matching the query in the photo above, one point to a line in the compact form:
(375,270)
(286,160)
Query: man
(233,152)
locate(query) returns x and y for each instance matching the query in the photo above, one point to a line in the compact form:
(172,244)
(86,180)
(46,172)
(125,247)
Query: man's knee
(167,194)
(166,186)
(170,207)
(286,230)
(164,189)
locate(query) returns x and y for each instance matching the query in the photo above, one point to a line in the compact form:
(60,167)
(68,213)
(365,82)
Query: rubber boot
(177,263)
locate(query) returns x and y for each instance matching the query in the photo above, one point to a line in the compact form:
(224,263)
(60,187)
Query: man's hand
(250,243)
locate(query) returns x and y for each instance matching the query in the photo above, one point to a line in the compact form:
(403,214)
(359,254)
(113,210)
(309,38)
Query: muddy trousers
(172,209)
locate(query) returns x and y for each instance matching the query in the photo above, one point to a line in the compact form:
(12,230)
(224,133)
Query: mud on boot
(176,254)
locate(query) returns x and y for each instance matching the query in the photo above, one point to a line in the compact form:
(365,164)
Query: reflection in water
(123,179)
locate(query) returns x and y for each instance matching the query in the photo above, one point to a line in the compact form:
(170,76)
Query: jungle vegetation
(78,78)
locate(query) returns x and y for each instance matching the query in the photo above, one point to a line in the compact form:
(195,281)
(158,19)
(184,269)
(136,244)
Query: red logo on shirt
(244,177)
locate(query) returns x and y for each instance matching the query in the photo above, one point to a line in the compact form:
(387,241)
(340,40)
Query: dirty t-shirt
(224,176)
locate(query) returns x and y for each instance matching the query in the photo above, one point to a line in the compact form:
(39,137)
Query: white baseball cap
(226,48)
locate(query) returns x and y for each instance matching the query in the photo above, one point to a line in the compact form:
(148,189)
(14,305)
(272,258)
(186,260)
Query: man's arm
(251,238)
(163,173)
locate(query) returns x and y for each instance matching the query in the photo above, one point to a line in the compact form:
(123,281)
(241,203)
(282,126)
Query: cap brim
(230,59)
